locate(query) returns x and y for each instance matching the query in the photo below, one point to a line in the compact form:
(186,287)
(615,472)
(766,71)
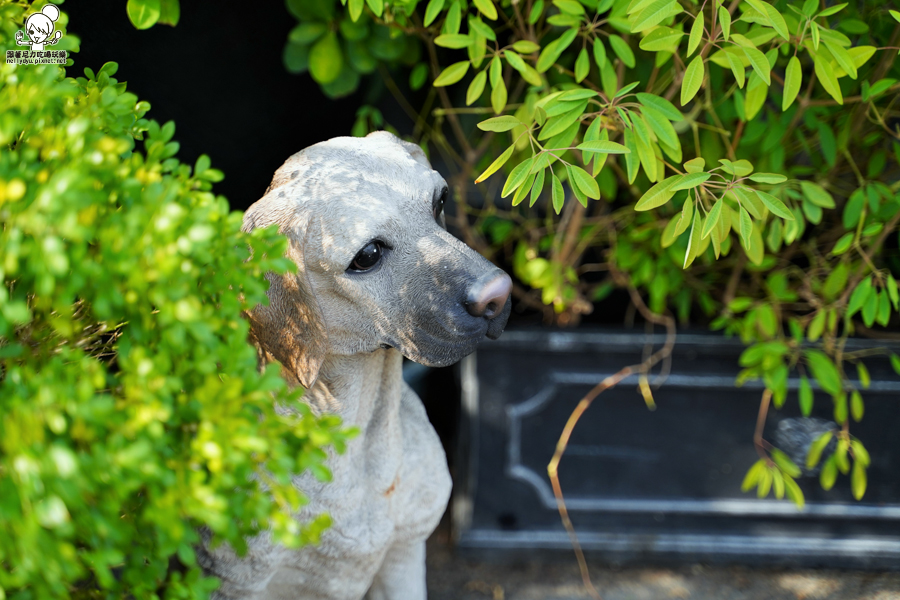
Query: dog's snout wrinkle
(488,295)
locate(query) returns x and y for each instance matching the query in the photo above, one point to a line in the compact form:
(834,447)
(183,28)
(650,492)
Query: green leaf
(753,475)
(603,147)
(842,58)
(695,165)
(662,105)
(498,97)
(432,11)
(376,6)
(657,195)
(687,216)
(526,47)
(816,194)
(554,50)
(843,244)
(794,493)
(452,74)
(746,226)
(487,8)
(737,65)
(582,65)
(586,183)
(725,22)
(660,39)
(828,475)
(827,78)
(775,205)
(326,59)
(857,407)
(655,13)
(696,34)
(895,14)
(805,397)
(517,177)
(476,88)
(771,178)
(538,186)
(170,12)
(859,296)
(831,10)
(760,63)
(712,219)
(793,79)
(693,241)
(499,162)
(858,480)
(599,53)
(452,40)
(622,50)
(784,463)
(693,79)
(504,123)
(824,371)
(557,193)
(143,14)
(690,180)
(660,126)
(569,6)
(355,8)
(816,448)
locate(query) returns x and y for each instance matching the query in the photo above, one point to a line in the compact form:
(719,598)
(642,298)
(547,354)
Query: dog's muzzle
(488,297)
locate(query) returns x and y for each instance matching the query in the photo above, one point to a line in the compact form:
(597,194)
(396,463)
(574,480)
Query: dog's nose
(488,295)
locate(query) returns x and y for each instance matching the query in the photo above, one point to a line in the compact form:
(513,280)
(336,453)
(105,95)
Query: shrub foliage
(734,162)
(131,408)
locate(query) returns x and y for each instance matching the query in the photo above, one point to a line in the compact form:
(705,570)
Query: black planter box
(661,485)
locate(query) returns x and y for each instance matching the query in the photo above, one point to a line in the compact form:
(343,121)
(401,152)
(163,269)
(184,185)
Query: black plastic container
(645,485)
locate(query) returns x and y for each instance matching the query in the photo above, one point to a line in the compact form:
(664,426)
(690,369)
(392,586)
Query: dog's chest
(391,486)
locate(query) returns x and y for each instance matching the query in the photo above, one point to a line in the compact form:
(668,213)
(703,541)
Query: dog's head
(376,267)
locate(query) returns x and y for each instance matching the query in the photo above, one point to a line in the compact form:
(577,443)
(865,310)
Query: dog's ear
(291,328)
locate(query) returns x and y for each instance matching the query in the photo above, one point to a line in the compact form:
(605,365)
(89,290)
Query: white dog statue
(379,278)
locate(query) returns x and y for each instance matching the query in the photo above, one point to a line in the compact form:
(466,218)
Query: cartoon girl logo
(40,29)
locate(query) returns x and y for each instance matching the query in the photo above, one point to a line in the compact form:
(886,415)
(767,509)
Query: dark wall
(219,76)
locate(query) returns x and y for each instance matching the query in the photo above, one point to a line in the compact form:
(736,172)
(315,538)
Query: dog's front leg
(402,574)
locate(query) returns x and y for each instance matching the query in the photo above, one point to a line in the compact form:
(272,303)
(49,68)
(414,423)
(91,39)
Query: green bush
(131,408)
(731,163)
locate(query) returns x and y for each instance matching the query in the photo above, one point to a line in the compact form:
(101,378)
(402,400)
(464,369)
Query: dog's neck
(358,387)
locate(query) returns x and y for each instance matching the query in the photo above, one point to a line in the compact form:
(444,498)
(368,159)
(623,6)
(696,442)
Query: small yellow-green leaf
(453,40)
(603,146)
(760,64)
(504,123)
(805,398)
(487,8)
(793,78)
(690,180)
(858,480)
(827,78)
(476,88)
(526,47)
(746,226)
(725,22)
(452,74)
(712,219)
(585,182)
(582,65)
(842,58)
(696,34)
(693,79)
(695,165)
(693,241)
(432,11)
(499,162)
(517,177)
(622,50)
(657,195)
(498,97)
(557,193)
(775,205)
(736,64)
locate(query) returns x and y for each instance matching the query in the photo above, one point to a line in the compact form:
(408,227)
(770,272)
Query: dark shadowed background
(219,76)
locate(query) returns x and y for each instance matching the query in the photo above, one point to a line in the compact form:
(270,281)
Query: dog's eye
(439,204)
(368,257)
